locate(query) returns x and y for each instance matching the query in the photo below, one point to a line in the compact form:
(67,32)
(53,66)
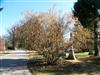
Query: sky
(14,10)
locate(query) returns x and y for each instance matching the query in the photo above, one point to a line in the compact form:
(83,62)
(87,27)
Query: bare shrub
(43,33)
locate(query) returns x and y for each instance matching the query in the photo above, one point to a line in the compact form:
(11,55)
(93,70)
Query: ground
(14,63)
(85,65)
(17,63)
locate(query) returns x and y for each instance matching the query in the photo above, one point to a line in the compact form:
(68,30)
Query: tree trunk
(91,52)
(96,40)
(13,41)
(71,54)
(13,45)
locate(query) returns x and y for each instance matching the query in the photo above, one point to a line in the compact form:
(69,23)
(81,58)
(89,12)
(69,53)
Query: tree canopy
(87,13)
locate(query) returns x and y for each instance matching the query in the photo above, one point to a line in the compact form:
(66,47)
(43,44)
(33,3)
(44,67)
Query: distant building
(2,44)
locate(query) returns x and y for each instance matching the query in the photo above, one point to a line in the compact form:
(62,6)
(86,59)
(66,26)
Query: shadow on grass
(88,66)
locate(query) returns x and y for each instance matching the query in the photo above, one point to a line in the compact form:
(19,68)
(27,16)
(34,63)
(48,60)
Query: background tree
(87,13)
(11,39)
(80,38)
(83,39)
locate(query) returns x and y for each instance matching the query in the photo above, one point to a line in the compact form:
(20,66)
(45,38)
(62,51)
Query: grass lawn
(85,65)
(82,55)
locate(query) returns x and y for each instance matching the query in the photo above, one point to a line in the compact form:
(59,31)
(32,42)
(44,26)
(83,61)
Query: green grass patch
(82,55)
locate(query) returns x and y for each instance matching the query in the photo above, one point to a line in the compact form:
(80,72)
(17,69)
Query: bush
(43,33)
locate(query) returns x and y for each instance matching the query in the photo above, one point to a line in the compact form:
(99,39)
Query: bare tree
(80,38)
(12,37)
(43,33)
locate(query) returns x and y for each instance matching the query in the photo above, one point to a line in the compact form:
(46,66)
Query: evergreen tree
(87,13)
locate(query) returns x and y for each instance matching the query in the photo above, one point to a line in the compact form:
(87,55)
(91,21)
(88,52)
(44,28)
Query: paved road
(14,63)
